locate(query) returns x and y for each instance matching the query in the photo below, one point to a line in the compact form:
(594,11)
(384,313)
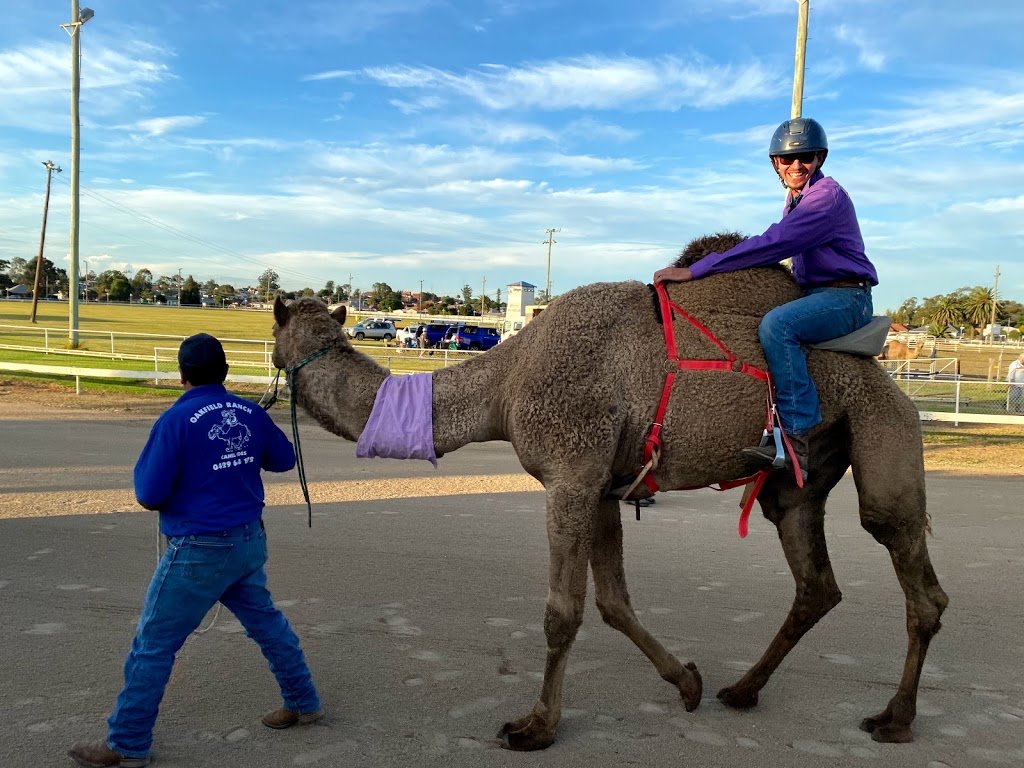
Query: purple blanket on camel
(401,424)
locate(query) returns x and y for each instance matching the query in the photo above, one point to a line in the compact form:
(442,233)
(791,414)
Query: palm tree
(948,311)
(938,330)
(978,307)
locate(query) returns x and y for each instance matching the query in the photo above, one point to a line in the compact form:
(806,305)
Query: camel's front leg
(801,530)
(614,605)
(570,521)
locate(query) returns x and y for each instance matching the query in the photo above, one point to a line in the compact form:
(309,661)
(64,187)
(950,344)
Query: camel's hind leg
(616,610)
(799,516)
(890,482)
(570,531)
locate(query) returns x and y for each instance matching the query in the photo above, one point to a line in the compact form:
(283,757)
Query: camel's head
(303,327)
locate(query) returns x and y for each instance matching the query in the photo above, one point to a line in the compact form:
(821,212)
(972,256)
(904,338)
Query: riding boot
(765,454)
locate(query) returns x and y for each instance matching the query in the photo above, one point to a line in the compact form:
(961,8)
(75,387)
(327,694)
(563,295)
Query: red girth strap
(652,446)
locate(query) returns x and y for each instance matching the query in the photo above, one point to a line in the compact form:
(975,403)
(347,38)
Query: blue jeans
(822,314)
(193,574)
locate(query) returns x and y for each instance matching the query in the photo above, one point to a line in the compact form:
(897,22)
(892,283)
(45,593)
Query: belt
(845,284)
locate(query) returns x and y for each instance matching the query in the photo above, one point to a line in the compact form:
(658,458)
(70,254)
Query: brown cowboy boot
(285,718)
(99,755)
(765,454)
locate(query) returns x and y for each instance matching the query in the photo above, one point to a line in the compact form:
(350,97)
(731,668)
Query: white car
(407,336)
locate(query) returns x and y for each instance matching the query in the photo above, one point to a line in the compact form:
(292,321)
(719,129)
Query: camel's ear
(339,314)
(280,312)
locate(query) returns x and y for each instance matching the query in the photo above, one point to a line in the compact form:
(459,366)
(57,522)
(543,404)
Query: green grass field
(246,334)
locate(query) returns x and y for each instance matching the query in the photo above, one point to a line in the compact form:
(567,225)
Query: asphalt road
(422,622)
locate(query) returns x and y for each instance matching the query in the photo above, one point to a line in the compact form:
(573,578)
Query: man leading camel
(820,233)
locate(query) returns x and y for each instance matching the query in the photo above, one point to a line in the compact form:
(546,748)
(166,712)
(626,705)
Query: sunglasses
(804,157)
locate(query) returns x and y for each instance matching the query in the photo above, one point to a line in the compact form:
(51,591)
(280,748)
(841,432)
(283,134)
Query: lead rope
(299,463)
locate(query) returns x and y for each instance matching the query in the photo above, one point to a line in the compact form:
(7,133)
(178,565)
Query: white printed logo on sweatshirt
(230,430)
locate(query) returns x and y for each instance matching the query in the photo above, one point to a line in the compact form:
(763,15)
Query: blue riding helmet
(802,134)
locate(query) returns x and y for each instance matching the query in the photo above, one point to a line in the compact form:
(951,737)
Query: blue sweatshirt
(201,465)
(820,234)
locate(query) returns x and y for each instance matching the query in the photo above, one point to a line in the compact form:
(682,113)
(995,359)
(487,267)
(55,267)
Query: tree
(49,276)
(142,284)
(268,283)
(905,314)
(948,311)
(210,286)
(190,292)
(327,292)
(467,294)
(978,307)
(4,277)
(381,292)
(120,288)
(16,270)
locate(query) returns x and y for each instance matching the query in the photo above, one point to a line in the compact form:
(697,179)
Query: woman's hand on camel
(673,275)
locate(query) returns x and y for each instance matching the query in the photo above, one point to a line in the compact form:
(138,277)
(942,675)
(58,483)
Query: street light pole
(419,304)
(179,287)
(801,54)
(78,18)
(50,168)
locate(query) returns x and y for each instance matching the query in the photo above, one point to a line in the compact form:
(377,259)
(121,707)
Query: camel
(897,350)
(575,393)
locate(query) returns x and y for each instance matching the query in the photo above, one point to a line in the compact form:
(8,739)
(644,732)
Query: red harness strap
(652,446)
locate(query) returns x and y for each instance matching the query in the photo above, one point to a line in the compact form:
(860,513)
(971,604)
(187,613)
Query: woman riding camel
(820,233)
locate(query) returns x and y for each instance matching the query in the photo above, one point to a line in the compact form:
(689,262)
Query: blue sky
(436,140)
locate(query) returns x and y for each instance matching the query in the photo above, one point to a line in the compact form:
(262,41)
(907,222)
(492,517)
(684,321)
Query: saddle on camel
(577,391)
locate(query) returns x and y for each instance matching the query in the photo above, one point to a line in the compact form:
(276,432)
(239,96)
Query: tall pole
(801,52)
(179,287)
(74,29)
(50,168)
(547,283)
(995,301)
(483,296)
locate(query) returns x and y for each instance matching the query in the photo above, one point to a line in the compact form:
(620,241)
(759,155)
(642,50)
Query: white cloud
(867,53)
(158,126)
(36,81)
(592,82)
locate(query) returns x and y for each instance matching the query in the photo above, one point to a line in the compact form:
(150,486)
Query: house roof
(898,328)
(19,290)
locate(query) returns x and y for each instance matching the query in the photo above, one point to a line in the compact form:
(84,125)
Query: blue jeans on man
(820,315)
(193,575)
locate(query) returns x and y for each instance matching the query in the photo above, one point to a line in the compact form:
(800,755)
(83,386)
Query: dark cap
(202,353)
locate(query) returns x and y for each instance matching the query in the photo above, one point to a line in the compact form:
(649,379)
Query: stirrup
(780,447)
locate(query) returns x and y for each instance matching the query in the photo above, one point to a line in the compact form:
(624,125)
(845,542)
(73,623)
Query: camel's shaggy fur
(575,392)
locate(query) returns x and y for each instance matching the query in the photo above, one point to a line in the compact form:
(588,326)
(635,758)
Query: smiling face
(796,170)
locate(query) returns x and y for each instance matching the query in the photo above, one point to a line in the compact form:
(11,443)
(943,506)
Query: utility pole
(179,287)
(801,53)
(85,276)
(547,283)
(50,168)
(419,303)
(995,301)
(74,28)
(483,296)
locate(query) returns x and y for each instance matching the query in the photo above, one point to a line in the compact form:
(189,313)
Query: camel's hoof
(873,723)
(890,733)
(692,694)
(738,698)
(525,735)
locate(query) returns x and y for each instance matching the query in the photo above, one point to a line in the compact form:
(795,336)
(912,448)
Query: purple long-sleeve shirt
(821,235)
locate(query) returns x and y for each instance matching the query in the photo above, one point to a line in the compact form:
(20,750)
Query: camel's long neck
(339,389)
(468,401)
